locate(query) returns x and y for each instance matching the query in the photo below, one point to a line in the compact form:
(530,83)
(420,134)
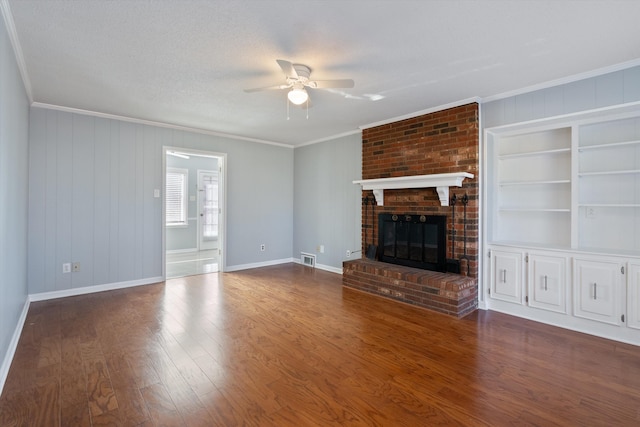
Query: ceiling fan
(297,77)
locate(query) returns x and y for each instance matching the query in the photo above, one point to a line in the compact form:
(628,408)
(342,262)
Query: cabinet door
(506,276)
(547,282)
(633,296)
(597,290)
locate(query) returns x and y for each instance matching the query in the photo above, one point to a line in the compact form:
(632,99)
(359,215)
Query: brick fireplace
(442,142)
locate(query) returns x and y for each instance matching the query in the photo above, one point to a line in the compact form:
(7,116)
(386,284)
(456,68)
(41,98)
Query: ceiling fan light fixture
(298,96)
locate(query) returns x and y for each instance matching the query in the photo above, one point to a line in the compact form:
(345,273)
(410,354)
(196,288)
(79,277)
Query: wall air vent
(308,259)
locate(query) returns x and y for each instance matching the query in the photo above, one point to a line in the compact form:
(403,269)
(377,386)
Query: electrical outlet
(320,249)
(590,212)
(348,253)
(76,267)
(66,267)
(263,247)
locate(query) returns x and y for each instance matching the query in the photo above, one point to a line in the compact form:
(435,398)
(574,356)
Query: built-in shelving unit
(563,221)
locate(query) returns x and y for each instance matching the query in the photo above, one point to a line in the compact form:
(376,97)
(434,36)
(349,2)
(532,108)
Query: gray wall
(91,199)
(181,238)
(327,208)
(14,152)
(602,91)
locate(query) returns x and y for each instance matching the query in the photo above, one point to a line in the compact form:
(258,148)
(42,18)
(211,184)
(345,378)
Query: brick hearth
(447,293)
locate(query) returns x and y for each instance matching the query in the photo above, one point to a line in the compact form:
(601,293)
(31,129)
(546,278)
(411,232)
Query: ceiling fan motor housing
(303,73)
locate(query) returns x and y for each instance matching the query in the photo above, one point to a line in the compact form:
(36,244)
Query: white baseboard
(231,268)
(13,345)
(182,251)
(322,267)
(43,296)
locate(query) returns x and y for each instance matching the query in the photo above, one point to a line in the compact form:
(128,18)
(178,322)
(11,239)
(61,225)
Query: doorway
(193,214)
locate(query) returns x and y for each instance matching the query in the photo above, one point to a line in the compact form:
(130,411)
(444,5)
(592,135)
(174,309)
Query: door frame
(222,202)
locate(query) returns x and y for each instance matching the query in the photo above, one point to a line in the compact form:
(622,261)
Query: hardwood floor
(288,346)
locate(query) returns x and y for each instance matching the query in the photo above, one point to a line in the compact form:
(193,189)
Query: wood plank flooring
(288,346)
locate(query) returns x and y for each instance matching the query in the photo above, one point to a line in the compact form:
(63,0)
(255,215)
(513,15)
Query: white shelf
(533,153)
(510,183)
(610,205)
(606,146)
(602,173)
(533,210)
(441,182)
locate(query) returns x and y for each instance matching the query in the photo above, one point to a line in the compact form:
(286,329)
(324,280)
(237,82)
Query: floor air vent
(308,259)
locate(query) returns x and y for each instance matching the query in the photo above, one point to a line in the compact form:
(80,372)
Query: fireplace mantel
(441,182)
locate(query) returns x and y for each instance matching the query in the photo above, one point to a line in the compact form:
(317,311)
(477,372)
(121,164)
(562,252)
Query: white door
(547,284)
(208,210)
(597,290)
(506,276)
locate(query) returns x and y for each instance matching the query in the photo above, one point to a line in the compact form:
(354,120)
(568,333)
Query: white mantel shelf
(441,182)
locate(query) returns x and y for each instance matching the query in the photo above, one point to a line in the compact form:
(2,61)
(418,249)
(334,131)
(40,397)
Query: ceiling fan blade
(331,84)
(287,68)
(259,89)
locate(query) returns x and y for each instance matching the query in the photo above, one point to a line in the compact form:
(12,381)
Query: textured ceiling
(187,62)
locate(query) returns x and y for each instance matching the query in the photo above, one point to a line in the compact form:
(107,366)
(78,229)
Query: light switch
(156,193)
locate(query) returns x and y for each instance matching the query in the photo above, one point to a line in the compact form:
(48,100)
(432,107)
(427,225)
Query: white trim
(157,124)
(328,268)
(482,223)
(5,9)
(181,251)
(565,80)
(240,267)
(454,104)
(330,138)
(44,296)
(610,332)
(13,345)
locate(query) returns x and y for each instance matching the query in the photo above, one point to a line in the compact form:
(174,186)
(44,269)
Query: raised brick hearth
(447,293)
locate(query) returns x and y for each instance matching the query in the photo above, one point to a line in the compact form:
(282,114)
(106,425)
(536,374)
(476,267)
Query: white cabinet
(506,276)
(633,296)
(547,282)
(546,279)
(598,290)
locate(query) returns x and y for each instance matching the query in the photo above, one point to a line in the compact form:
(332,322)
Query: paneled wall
(327,203)
(14,181)
(91,199)
(606,90)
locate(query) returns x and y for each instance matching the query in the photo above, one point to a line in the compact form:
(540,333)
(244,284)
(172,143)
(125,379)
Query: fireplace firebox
(413,240)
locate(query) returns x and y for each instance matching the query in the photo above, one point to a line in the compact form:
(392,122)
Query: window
(176,196)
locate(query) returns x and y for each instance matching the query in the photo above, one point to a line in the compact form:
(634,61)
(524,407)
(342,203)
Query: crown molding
(565,80)
(5,9)
(454,104)
(157,124)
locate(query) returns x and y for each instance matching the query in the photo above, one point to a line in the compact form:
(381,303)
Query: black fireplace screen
(413,240)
